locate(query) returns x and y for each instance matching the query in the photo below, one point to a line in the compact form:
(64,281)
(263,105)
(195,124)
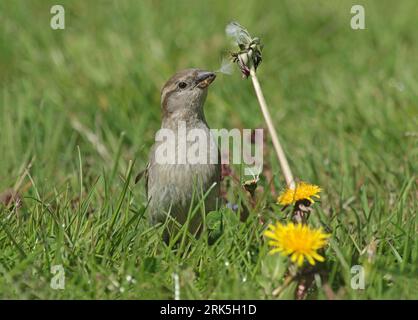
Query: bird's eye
(182,85)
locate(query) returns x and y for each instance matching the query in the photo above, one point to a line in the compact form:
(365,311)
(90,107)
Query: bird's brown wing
(143,173)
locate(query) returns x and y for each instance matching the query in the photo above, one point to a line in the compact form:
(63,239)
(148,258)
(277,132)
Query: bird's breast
(184,163)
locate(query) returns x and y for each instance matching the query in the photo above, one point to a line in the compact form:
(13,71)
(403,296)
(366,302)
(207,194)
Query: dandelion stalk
(281,156)
(287,281)
(248,59)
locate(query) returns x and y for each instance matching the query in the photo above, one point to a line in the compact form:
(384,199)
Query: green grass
(345,104)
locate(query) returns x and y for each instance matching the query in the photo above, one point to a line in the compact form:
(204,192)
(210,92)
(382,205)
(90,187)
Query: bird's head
(185,92)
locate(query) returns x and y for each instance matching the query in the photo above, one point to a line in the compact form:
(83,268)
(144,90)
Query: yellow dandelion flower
(298,241)
(302,191)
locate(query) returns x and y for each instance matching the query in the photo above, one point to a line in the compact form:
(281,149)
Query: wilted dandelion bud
(251,186)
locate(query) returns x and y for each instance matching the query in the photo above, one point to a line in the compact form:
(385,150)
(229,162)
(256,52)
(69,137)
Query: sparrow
(174,189)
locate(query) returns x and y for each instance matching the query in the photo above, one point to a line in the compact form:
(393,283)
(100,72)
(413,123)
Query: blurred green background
(345,103)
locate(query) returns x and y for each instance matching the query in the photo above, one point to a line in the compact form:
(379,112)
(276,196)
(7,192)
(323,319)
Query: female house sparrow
(171,186)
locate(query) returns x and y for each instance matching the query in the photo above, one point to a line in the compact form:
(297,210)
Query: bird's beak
(204,79)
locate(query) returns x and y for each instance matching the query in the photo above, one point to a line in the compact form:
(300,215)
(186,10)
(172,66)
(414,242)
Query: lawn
(79,108)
